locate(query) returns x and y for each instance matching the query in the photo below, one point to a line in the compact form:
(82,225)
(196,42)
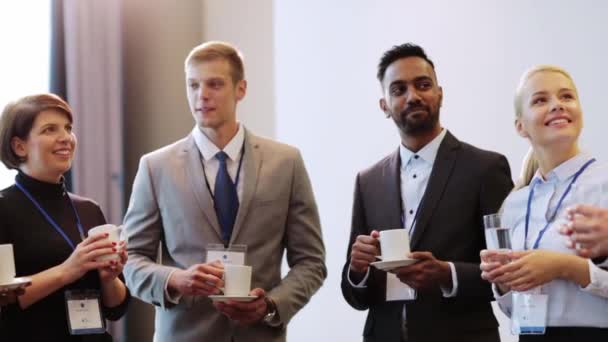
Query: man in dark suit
(438,188)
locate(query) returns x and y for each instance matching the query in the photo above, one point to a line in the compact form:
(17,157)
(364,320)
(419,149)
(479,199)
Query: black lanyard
(559,204)
(238,171)
(50,220)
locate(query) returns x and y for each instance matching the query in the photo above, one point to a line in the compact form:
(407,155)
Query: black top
(37,247)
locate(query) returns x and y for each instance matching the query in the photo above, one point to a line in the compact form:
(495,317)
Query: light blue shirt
(415,172)
(569,304)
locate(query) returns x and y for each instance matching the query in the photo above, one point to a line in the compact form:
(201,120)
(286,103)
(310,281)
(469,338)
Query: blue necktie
(226,198)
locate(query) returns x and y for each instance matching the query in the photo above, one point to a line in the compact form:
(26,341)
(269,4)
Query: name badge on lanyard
(84,312)
(529,316)
(82,306)
(232,255)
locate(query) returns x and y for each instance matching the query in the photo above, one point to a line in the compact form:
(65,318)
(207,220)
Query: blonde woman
(556,176)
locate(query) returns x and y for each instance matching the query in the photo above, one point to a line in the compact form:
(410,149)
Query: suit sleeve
(358,298)
(494,188)
(304,246)
(145,277)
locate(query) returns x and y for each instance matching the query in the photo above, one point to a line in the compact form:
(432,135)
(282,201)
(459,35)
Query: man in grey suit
(437,188)
(222,185)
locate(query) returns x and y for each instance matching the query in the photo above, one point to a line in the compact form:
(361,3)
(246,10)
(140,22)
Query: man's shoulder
(273,147)
(477,154)
(168,151)
(381,166)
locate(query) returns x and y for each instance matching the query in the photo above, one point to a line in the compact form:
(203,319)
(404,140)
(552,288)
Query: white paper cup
(114,234)
(7,264)
(394,244)
(237,280)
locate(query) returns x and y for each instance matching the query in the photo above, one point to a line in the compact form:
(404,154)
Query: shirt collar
(564,170)
(208,148)
(428,153)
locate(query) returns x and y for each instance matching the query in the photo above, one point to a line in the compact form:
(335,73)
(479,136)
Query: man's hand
(425,274)
(198,280)
(245,312)
(364,251)
(587,230)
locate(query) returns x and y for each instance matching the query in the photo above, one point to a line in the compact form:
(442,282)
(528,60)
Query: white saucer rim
(17,281)
(224,297)
(386,265)
(392,260)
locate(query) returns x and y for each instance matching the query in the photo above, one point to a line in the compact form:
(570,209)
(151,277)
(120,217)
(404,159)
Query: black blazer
(465,184)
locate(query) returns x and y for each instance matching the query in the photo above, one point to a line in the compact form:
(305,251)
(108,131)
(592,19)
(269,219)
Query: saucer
(16,283)
(392,264)
(223,298)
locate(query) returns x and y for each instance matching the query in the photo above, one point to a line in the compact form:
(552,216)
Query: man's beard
(418,126)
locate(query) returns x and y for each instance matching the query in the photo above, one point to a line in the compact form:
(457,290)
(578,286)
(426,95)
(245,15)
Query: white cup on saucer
(394,244)
(114,234)
(237,280)
(7,264)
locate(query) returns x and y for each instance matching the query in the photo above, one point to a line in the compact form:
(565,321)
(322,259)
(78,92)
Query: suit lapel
(442,169)
(196,177)
(252,160)
(392,190)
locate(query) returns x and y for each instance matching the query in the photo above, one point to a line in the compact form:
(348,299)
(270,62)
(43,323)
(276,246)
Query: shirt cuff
(447,293)
(362,284)
(599,281)
(172,299)
(504,301)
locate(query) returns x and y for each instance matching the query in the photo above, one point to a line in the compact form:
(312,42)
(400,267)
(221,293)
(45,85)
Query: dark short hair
(398,52)
(18,119)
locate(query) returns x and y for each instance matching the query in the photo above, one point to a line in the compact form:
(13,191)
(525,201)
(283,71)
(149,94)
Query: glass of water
(498,237)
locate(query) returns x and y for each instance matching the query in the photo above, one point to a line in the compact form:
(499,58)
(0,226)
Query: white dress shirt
(569,304)
(208,150)
(233,149)
(416,170)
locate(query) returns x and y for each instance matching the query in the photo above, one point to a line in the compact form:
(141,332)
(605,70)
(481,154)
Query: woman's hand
(109,273)
(530,269)
(10,296)
(491,262)
(587,230)
(83,258)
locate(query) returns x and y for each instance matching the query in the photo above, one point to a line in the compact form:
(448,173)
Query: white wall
(25,72)
(326,95)
(250,28)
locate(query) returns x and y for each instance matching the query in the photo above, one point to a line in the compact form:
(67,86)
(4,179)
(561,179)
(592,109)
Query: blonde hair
(213,50)
(530,165)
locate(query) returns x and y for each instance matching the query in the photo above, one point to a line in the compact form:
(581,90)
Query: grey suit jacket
(170,205)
